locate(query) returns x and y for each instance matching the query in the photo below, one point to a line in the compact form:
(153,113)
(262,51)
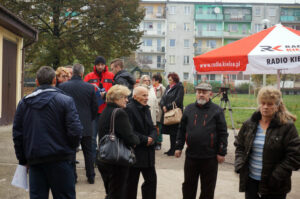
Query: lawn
(241,102)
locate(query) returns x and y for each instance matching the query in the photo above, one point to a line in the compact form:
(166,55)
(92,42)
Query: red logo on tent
(270,48)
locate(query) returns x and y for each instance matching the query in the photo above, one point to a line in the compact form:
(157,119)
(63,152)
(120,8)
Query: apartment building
(192,28)
(180,40)
(151,54)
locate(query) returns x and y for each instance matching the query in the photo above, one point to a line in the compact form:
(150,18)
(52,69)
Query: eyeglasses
(146,80)
(64,76)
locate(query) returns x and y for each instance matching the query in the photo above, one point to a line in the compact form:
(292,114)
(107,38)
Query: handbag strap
(112,122)
(174,105)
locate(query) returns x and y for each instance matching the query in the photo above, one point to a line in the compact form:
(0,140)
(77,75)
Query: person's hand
(178,153)
(165,109)
(220,159)
(150,140)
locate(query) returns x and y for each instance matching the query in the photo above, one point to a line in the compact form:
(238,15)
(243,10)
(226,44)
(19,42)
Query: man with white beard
(203,128)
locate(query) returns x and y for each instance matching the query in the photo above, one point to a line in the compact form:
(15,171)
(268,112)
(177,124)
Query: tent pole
(278,79)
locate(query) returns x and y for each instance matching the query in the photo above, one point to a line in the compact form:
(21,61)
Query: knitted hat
(100,60)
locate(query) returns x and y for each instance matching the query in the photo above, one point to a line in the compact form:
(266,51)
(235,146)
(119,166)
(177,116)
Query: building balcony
(236,34)
(211,34)
(154,33)
(290,19)
(155,16)
(238,18)
(152,50)
(209,17)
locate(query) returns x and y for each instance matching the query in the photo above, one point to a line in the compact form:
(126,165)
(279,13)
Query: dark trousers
(252,191)
(94,138)
(148,187)
(172,142)
(114,178)
(207,169)
(57,176)
(86,144)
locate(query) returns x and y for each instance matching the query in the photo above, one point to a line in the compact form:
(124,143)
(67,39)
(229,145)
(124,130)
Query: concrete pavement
(169,173)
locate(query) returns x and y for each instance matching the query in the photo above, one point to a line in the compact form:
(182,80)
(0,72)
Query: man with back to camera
(140,119)
(86,103)
(203,128)
(46,132)
(102,79)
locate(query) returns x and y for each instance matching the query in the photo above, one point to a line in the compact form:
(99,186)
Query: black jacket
(204,130)
(140,119)
(281,154)
(123,128)
(46,127)
(85,99)
(124,78)
(174,94)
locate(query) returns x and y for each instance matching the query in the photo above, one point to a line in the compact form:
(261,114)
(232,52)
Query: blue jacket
(46,127)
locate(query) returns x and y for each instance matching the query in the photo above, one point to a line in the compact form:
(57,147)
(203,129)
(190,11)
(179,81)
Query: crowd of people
(68,109)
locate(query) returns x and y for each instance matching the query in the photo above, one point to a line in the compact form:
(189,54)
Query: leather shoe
(170,153)
(91,180)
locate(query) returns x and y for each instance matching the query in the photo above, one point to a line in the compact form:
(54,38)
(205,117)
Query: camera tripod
(223,104)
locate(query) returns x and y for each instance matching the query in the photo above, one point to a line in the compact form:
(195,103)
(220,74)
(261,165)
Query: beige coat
(160,91)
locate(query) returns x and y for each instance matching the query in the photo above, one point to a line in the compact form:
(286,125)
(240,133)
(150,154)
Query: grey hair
(45,75)
(78,69)
(137,89)
(143,77)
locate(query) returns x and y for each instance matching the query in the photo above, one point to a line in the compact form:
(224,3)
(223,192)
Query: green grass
(240,101)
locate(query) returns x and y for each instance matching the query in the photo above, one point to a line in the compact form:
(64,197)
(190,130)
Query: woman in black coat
(174,93)
(115,176)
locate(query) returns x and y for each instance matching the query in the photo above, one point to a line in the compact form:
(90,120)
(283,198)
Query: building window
(244,29)
(145,59)
(172,27)
(199,10)
(149,10)
(257,11)
(172,10)
(172,42)
(147,42)
(211,43)
(148,26)
(272,12)
(186,59)
(233,27)
(258,27)
(187,27)
(185,76)
(212,77)
(212,27)
(172,59)
(186,43)
(159,64)
(187,10)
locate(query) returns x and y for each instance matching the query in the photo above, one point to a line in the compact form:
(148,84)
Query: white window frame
(172,46)
(172,59)
(172,10)
(172,26)
(186,43)
(186,59)
(187,10)
(186,76)
(186,27)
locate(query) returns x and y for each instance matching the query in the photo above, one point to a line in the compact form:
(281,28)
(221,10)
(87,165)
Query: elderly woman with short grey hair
(267,148)
(115,176)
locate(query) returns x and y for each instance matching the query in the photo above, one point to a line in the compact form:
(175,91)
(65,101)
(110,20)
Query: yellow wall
(19,41)
(155,7)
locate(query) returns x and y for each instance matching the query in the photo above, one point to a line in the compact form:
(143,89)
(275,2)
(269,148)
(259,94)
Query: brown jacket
(281,155)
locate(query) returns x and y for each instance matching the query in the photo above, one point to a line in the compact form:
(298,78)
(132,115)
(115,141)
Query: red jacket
(103,81)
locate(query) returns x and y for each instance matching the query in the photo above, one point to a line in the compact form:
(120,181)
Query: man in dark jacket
(140,119)
(122,76)
(203,128)
(46,132)
(86,103)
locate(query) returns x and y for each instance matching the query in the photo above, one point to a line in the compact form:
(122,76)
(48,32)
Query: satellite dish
(217,10)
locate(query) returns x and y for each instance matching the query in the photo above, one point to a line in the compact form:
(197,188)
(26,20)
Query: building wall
(19,41)
(180,40)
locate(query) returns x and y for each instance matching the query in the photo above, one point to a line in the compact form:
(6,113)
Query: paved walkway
(169,172)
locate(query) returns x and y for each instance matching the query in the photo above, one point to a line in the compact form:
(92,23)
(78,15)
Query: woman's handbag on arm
(112,150)
(173,116)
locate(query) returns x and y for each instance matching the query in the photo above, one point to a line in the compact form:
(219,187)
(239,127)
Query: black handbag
(112,150)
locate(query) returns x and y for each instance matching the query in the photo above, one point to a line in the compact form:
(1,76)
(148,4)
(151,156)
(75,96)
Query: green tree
(79,30)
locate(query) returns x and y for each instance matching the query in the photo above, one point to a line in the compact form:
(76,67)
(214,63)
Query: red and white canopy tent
(272,51)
